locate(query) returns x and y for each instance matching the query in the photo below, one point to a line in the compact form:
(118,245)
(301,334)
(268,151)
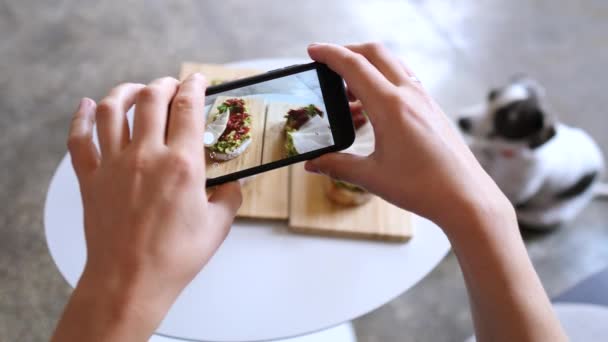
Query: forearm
(507,299)
(98,312)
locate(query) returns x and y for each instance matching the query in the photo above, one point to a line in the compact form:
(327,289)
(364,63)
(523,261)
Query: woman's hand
(149,227)
(420,163)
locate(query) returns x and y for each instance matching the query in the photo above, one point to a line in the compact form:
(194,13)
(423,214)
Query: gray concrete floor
(54,52)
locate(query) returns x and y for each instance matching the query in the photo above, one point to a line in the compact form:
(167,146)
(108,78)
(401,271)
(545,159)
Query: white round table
(265,283)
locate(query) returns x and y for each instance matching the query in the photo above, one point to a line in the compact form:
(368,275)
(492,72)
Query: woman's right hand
(420,162)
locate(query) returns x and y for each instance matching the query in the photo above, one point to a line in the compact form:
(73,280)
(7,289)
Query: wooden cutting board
(268,195)
(312,213)
(265,195)
(216,73)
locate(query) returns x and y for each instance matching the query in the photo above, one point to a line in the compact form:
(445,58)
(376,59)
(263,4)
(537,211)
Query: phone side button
(283,68)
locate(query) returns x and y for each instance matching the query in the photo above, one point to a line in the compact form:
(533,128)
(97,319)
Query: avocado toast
(306,130)
(236,137)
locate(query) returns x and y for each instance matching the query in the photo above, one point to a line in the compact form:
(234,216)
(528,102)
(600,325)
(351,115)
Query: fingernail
(85,102)
(199,77)
(316,44)
(311,167)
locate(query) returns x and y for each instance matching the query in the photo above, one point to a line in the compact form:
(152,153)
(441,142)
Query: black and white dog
(547,170)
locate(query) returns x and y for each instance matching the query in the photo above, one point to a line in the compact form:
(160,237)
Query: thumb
(343,166)
(225,201)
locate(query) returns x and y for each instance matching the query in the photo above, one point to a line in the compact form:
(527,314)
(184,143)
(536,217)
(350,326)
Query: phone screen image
(265,122)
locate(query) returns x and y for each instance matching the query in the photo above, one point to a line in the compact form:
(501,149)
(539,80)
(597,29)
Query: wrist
(97,312)
(488,214)
(118,307)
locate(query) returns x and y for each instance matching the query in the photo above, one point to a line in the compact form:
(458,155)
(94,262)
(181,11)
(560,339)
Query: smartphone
(278,118)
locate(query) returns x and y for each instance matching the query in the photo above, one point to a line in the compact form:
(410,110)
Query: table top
(264,282)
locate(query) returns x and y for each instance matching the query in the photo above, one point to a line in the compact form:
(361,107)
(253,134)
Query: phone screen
(265,122)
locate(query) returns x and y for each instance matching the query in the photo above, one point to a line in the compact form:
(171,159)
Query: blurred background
(54,52)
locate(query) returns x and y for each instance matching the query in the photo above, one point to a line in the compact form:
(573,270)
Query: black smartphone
(268,121)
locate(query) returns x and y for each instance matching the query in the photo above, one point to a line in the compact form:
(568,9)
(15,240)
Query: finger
(112,125)
(410,73)
(343,166)
(413,80)
(357,113)
(225,201)
(349,94)
(383,60)
(222,207)
(186,120)
(152,109)
(363,79)
(84,154)
(355,107)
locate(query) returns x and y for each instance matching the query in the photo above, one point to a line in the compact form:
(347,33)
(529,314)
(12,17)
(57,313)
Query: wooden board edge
(214,70)
(264,217)
(351,235)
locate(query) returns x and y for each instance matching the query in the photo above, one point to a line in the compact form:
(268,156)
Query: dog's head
(511,114)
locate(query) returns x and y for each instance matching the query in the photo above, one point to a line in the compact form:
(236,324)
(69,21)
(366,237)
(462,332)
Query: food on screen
(306,129)
(227,132)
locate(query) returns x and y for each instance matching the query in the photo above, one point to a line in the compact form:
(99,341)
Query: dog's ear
(544,135)
(493,94)
(535,117)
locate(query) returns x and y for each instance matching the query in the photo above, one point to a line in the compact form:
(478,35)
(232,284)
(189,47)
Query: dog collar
(507,152)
